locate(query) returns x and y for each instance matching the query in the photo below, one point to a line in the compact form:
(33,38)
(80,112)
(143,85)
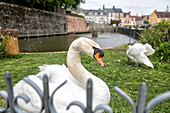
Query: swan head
(89,47)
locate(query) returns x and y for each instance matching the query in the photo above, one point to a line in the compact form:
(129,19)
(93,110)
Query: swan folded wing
(135,50)
(24,88)
(144,59)
(133,59)
(55,73)
(148,50)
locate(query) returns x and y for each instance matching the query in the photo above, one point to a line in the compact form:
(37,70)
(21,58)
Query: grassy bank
(117,72)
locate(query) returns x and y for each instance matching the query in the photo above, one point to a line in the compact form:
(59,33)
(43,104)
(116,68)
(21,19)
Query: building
(96,16)
(101,15)
(140,20)
(113,13)
(126,21)
(157,17)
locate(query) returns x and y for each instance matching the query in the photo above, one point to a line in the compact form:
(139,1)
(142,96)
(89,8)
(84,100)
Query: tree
(146,22)
(115,22)
(47,4)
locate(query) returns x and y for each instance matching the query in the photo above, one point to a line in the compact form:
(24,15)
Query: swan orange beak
(99,59)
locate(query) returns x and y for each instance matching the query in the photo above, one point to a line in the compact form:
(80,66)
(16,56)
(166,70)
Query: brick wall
(76,24)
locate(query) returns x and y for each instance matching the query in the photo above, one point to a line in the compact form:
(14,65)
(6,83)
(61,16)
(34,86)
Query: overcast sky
(142,7)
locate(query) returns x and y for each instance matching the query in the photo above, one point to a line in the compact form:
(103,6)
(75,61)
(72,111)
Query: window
(101,20)
(90,13)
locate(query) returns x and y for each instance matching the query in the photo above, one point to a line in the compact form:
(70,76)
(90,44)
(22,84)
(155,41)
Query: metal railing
(47,100)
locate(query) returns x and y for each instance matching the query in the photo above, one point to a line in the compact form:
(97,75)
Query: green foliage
(146,22)
(47,4)
(115,21)
(2,47)
(163,52)
(16,56)
(72,14)
(156,35)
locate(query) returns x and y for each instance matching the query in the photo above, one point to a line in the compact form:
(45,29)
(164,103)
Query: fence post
(46,93)
(9,88)
(89,96)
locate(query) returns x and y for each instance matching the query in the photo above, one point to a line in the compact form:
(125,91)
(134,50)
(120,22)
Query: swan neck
(76,68)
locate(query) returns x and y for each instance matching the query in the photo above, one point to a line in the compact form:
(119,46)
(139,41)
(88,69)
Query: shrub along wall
(31,21)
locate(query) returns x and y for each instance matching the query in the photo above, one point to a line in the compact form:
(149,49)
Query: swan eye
(96,50)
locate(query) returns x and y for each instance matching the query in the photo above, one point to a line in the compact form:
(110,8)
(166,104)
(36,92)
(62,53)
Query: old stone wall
(76,24)
(30,21)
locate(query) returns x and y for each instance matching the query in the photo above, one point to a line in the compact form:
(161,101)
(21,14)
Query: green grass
(115,73)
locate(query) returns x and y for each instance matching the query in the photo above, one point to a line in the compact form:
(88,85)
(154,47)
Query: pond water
(61,43)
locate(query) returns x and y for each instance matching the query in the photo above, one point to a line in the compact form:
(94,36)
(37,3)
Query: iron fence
(47,100)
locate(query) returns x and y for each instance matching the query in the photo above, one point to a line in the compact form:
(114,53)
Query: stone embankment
(35,22)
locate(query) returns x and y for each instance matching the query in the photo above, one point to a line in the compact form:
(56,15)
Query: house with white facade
(101,15)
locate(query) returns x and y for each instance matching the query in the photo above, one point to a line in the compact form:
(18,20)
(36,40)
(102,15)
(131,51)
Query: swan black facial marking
(96,50)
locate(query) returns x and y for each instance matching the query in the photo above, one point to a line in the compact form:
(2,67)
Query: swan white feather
(74,89)
(138,53)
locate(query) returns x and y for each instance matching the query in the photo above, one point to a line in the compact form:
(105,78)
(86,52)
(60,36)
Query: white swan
(138,53)
(75,74)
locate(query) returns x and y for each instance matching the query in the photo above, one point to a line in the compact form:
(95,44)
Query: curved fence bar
(105,107)
(79,104)
(157,100)
(37,89)
(88,109)
(15,103)
(51,105)
(47,105)
(124,95)
(141,108)
(4,94)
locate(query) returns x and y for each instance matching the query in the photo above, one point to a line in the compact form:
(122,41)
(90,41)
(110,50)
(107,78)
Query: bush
(163,52)
(156,35)
(72,14)
(2,48)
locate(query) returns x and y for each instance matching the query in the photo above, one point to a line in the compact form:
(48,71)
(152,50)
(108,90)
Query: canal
(61,43)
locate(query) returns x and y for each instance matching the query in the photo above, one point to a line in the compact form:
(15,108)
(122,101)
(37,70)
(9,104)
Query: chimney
(103,7)
(113,7)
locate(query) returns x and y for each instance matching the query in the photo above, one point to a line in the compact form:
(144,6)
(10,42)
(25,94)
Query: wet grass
(117,72)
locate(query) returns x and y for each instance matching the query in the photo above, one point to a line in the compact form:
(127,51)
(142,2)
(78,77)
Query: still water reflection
(61,43)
